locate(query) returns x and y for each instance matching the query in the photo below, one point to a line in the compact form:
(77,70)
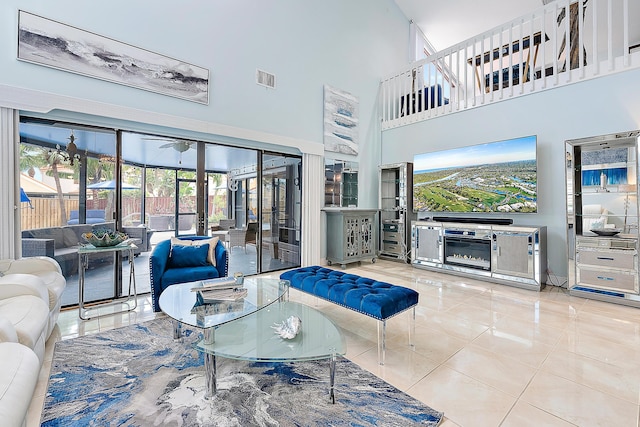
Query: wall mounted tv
(495,177)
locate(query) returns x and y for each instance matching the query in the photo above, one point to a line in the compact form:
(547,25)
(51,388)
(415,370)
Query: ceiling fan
(180,145)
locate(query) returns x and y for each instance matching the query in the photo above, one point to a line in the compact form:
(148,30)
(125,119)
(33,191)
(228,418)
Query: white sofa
(18,379)
(28,276)
(30,292)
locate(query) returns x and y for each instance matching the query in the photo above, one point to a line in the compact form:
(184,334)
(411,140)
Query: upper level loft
(526,55)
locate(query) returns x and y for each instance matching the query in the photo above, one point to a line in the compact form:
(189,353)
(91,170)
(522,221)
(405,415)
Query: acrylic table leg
(412,327)
(210,373)
(382,331)
(210,363)
(177,330)
(332,378)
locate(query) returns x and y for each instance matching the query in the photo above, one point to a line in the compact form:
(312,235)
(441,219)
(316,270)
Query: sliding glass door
(281,211)
(81,179)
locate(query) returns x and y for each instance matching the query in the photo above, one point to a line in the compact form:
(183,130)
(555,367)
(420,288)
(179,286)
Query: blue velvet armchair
(163,274)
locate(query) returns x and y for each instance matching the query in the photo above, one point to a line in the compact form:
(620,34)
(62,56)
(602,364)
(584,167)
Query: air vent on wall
(265,79)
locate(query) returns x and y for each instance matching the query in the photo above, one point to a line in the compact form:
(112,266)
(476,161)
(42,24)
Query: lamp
(70,153)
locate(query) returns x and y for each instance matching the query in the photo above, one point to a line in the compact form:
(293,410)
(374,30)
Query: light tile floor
(486,354)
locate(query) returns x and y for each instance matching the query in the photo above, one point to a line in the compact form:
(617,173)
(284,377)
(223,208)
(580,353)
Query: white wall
(595,107)
(348,45)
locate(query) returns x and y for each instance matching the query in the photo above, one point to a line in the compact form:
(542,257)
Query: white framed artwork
(53,44)
(340,121)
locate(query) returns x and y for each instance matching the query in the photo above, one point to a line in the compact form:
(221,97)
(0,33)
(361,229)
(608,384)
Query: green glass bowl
(106,240)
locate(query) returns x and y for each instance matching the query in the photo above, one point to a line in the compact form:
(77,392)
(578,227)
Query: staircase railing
(528,54)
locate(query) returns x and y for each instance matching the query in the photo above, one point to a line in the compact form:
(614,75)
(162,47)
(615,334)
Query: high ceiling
(447,22)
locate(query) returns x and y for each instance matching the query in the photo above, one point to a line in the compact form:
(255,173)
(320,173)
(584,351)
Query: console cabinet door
(512,253)
(428,243)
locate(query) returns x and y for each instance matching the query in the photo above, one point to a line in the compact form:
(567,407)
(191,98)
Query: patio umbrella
(25,198)
(110,185)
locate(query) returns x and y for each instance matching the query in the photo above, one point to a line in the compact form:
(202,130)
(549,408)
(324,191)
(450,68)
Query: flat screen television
(499,177)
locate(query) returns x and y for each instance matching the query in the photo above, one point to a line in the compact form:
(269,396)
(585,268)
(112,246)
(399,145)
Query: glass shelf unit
(602,217)
(395,208)
(340,183)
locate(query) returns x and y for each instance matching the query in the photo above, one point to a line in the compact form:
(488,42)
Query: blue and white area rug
(139,376)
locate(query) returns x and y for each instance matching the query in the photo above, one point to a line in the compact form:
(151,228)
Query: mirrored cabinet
(602,217)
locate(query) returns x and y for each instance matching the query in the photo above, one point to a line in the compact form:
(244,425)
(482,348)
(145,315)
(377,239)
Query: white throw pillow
(175,241)
(213,242)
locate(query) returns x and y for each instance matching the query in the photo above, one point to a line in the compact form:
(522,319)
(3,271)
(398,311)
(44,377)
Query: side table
(83,264)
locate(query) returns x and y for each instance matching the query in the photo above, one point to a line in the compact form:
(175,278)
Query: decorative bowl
(606,231)
(102,239)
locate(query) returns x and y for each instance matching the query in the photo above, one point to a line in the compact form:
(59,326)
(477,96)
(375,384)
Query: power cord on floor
(551,275)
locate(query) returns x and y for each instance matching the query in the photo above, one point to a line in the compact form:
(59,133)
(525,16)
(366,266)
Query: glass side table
(83,263)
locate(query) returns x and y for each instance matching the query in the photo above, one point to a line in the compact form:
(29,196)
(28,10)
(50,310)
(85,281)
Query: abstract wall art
(340,121)
(52,44)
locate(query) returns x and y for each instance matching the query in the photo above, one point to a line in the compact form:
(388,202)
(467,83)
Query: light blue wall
(347,44)
(595,107)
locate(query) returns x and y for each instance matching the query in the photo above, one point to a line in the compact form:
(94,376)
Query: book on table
(215,284)
(228,294)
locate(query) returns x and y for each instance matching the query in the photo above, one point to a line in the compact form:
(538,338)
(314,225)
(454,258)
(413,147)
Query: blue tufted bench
(379,300)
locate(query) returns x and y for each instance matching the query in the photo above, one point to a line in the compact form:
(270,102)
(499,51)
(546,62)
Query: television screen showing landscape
(496,177)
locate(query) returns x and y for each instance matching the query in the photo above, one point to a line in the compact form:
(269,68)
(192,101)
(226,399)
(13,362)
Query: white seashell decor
(289,328)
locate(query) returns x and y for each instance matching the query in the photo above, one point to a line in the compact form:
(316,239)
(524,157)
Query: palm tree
(35,156)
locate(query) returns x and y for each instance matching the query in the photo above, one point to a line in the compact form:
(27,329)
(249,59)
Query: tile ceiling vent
(265,79)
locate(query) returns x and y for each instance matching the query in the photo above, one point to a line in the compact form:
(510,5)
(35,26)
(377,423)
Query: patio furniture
(236,237)
(227,224)
(161,222)
(243,236)
(94,216)
(62,243)
(223,235)
(251,235)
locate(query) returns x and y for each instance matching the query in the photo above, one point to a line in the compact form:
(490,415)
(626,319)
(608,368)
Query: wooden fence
(45,211)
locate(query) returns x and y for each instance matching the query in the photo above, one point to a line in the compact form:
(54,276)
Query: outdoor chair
(237,237)
(227,224)
(243,236)
(251,235)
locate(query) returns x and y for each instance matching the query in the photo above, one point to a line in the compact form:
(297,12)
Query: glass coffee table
(243,329)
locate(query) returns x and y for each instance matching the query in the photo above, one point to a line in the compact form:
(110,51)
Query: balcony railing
(523,56)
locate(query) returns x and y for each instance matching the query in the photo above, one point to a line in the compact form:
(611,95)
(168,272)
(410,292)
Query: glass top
(253,337)
(180,303)
(89,248)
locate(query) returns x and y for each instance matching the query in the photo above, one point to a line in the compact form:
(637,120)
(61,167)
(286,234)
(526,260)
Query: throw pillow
(213,242)
(189,256)
(211,256)
(175,241)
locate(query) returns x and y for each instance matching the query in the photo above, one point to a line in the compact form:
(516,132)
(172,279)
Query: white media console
(507,254)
